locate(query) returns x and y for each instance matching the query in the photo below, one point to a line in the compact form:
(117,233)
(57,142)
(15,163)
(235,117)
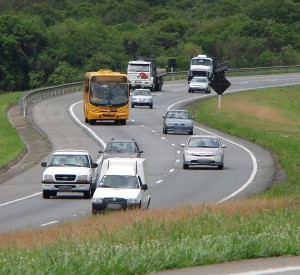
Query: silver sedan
(178,121)
(205,150)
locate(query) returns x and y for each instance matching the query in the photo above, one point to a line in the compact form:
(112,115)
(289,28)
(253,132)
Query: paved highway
(248,168)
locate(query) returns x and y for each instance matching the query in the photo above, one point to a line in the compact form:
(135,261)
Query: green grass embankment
(140,242)
(11,145)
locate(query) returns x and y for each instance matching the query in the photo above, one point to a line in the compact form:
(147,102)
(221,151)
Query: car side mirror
(182,145)
(144,187)
(44,164)
(224,146)
(101,152)
(141,152)
(163,116)
(94,165)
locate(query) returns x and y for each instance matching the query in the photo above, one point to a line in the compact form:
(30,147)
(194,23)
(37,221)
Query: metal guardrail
(39,94)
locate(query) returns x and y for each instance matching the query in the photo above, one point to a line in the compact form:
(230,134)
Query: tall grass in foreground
(11,145)
(140,242)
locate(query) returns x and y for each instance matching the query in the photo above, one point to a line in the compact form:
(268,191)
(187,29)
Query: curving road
(248,168)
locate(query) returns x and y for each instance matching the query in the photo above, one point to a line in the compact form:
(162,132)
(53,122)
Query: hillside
(52,42)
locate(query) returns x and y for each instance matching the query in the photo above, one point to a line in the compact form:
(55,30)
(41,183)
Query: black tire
(123,122)
(86,120)
(151,106)
(221,166)
(46,194)
(191,132)
(87,194)
(92,121)
(185,166)
(132,105)
(190,91)
(164,131)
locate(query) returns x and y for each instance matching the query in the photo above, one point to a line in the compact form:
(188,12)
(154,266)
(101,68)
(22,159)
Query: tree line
(51,42)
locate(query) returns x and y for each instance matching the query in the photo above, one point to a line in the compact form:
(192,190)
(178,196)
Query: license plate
(65,188)
(114,206)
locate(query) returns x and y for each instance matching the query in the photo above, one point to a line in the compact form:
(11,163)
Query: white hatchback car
(205,150)
(141,97)
(199,83)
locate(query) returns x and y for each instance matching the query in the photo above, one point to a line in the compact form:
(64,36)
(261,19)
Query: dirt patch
(37,145)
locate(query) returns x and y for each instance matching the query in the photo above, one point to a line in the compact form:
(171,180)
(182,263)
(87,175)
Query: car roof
(142,90)
(178,111)
(203,136)
(123,140)
(71,152)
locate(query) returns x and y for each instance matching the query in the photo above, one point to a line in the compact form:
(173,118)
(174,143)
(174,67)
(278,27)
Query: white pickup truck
(69,171)
(123,184)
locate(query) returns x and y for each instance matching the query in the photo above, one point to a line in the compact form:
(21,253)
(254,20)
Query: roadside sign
(219,84)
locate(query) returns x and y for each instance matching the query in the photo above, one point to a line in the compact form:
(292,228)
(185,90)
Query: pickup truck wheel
(185,166)
(46,194)
(87,194)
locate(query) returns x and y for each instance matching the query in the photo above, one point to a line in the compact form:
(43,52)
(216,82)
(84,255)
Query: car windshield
(204,142)
(178,114)
(142,92)
(121,147)
(201,80)
(69,160)
(119,181)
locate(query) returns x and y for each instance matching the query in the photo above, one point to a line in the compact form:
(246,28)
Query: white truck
(202,65)
(123,184)
(69,171)
(143,73)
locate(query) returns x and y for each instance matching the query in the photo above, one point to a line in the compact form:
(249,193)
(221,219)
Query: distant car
(203,150)
(178,121)
(69,171)
(199,83)
(121,148)
(141,97)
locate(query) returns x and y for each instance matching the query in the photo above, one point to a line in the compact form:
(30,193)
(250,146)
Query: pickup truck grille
(64,177)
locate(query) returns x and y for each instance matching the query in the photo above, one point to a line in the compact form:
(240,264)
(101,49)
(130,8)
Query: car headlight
(97,200)
(132,200)
(82,178)
(169,123)
(188,154)
(189,124)
(219,154)
(48,177)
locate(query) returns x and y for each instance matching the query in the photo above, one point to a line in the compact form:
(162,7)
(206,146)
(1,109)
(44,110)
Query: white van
(123,184)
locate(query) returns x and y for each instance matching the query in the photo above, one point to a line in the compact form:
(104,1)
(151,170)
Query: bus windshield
(112,94)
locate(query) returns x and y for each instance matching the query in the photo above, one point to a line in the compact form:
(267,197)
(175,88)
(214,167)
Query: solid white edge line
(20,199)
(85,127)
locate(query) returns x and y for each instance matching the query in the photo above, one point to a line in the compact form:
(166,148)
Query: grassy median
(140,242)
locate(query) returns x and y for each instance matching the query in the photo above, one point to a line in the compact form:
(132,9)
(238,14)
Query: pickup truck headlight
(48,177)
(132,200)
(97,200)
(82,178)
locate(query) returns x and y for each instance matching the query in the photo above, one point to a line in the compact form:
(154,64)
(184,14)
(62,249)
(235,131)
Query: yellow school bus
(106,96)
